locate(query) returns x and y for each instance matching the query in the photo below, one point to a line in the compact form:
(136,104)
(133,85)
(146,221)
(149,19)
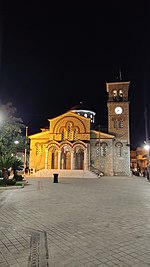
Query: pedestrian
(147,175)
(144,172)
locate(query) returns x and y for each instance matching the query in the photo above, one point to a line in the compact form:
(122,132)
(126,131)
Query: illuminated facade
(71,143)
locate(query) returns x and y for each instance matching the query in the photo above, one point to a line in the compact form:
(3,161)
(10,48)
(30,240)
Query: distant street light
(16,142)
(147,148)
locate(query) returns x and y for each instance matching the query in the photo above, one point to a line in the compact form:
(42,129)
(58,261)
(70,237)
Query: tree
(11,130)
(5,164)
(16,165)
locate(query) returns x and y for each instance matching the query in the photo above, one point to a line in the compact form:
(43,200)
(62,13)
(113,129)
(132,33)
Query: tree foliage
(16,164)
(11,130)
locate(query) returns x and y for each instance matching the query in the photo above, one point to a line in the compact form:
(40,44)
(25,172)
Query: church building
(72,145)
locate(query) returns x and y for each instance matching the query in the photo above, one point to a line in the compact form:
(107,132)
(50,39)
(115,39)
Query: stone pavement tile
(4,264)
(87,223)
(22,261)
(141,265)
(2,260)
(111,264)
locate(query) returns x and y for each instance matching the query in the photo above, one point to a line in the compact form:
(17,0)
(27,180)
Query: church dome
(82,110)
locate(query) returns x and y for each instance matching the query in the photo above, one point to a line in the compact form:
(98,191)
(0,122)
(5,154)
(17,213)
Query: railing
(97,171)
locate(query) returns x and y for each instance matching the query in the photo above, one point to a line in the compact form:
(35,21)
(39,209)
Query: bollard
(55,177)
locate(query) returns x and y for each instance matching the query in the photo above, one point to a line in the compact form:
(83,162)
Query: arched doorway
(53,158)
(79,158)
(65,160)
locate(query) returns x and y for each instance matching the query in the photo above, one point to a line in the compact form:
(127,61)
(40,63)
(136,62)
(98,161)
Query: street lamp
(147,148)
(16,142)
(25,152)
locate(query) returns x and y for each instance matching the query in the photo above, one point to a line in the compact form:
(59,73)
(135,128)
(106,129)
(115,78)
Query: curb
(11,187)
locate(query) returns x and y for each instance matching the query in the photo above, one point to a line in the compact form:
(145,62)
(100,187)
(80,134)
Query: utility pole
(147,144)
(99,146)
(146,134)
(25,151)
(146,127)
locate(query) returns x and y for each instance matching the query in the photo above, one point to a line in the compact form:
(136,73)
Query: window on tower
(120,95)
(115,123)
(121,123)
(114,95)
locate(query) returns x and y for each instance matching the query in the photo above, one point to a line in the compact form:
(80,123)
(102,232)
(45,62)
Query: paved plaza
(76,223)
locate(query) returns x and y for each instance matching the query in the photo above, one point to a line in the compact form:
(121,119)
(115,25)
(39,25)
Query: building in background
(72,143)
(139,160)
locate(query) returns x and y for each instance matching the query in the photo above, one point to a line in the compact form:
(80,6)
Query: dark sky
(54,56)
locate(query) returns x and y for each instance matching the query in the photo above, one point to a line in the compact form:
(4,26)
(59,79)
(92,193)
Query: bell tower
(118,124)
(118,109)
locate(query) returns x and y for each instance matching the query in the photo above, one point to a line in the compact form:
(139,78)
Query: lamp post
(25,152)
(147,148)
(99,144)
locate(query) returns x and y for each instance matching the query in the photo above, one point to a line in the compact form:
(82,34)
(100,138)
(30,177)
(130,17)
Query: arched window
(114,94)
(121,123)
(97,144)
(42,149)
(119,146)
(39,149)
(97,150)
(103,149)
(36,149)
(115,123)
(120,95)
(75,133)
(69,131)
(63,135)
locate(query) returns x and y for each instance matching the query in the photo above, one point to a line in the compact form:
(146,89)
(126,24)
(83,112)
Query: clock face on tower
(118,110)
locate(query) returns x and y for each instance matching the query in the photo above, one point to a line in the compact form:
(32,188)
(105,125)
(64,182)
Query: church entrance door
(79,159)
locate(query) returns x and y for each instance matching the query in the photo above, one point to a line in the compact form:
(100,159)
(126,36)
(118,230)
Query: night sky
(54,56)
